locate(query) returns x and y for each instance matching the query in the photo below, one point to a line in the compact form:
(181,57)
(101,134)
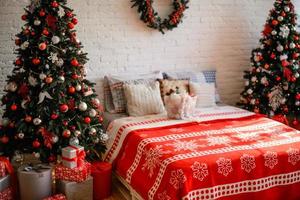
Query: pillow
(205,94)
(117,92)
(143,99)
(182,86)
(107,97)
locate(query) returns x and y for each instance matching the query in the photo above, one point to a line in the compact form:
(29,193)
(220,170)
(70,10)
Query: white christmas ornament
(24,45)
(93,131)
(280,18)
(42,76)
(12,86)
(92,113)
(78,88)
(55,39)
(276,96)
(77,133)
(53,57)
(247,83)
(297,75)
(274,32)
(285,31)
(23,104)
(283,57)
(271,113)
(297,103)
(96,141)
(59,62)
(32,81)
(104,137)
(46,66)
(280,48)
(21,135)
(54,139)
(82,106)
(287,9)
(61,79)
(252,102)
(37,154)
(249,91)
(44,95)
(292,45)
(283,101)
(264,80)
(74,141)
(96,101)
(254,79)
(37,121)
(37,22)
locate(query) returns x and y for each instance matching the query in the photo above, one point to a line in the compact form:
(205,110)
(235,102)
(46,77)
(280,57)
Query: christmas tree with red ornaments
(273,83)
(48,103)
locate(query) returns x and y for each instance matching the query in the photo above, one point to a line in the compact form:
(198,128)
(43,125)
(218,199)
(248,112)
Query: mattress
(221,153)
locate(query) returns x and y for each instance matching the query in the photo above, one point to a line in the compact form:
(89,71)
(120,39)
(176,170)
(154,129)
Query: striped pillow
(143,99)
(205,93)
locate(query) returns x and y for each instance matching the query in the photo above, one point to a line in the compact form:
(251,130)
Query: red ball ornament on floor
(42,13)
(71,25)
(64,108)
(74,21)
(74,62)
(4,139)
(36,61)
(14,107)
(36,144)
(71,90)
(66,133)
(42,46)
(54,4)
(24,17)
(87,120)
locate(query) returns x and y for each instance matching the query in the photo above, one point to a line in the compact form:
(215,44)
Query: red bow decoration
(287,73)
(80,156)
(7,165)
(51,21)
(47,137)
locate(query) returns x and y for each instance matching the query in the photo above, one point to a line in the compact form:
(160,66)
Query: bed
(222,152)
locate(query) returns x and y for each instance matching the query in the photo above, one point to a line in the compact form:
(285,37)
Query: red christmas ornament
(49,80)
(26,31)
(295,55)
(74,62)
(54,4)
(17,41)
(100,119)
(293,79)
(18,62)
(24,17)
(28,118)
(74,21)
(71,25)
(283,14)
(74,76)
(273,56)
(295,122)
(4,139)
(71,90)
(14,107)
(42,13)
(36,61)
(278,78)
(54,116)
(87,120)
(69,14)
(274,22)
(268,29)
(298,96)
(51,21)
(36,144)
(285,63)
(45,32)
(296,37)
(66,133)
(73,128)
(64,108)
(65,123)
(32,33)
(267,66)
(42,46)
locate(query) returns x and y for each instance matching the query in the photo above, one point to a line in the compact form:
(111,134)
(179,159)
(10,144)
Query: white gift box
(70,155)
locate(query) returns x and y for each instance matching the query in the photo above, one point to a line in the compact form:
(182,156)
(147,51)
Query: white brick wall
(215,34)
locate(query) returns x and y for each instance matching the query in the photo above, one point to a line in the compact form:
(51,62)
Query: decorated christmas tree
(48,103)
(273,83)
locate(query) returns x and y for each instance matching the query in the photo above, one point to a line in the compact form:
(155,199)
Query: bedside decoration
(151,18)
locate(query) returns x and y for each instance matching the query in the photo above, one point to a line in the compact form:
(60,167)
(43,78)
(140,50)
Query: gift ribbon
(80,156)
(7,164)
(9,168)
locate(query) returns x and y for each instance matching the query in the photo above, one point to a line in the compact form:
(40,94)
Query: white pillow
(206,94)
(143,99)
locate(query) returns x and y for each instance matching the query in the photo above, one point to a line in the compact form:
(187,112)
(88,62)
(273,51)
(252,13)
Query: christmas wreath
(151,18)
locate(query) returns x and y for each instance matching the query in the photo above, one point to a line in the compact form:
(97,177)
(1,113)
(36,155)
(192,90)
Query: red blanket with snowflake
(243,158)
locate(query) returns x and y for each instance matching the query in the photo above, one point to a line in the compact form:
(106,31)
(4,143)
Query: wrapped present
(40,184)
(76,191)
(24,159)
(4,182)
(7,194)
(56,197)
(73,156)
(5,167)
(180,106)
(102,174)
(78,174)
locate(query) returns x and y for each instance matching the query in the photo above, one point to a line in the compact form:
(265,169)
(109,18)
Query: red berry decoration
(36,144)
(18,62)
(298,96)
(66,133)
(24,17)
(42,46)
(71,25)
(74,21)
(274,22)
(64,108)
(42,13)
(273,55)
(74,62)
(87,120)
(71,90)
(54,4)
(74,76)
(54,116)
(278,78)
(14,107)
(45,32)
(36,61)
(4,139)
(69,14)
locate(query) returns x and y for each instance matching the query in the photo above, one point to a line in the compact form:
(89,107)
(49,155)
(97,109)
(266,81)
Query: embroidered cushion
(143,99)
(180,86)
(205,94)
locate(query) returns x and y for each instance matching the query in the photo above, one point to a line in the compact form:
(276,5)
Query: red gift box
(56,197)
(6,194)
(101,172)
(78,174)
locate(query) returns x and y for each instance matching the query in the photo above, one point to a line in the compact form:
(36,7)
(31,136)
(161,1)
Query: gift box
(6,194)
(102,174)
(76,191)
(56,197)
(4,182)
(78,174)
(73,156)
(35,182)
